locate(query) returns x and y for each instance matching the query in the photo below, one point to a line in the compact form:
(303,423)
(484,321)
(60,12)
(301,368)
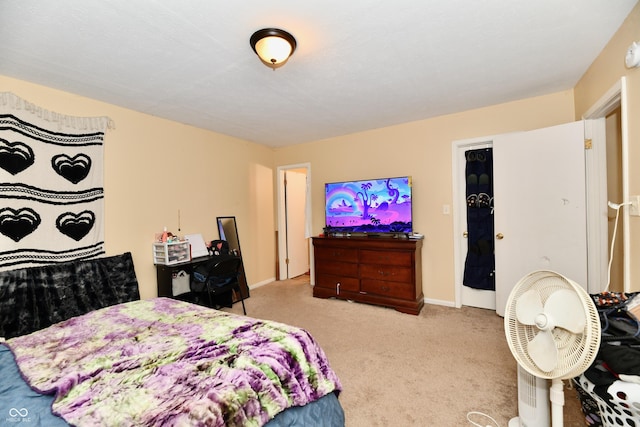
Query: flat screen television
(369,206)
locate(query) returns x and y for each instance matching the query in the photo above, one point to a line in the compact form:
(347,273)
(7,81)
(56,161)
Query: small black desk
(165,274)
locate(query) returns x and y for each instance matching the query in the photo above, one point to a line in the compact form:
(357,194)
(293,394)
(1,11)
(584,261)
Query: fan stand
(556,395)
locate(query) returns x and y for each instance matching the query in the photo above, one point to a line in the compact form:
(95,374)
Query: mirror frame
(228,230)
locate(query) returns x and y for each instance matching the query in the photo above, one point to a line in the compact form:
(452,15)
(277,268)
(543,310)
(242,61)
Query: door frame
(459,218)
(483,299)
(597,228)
(281,216)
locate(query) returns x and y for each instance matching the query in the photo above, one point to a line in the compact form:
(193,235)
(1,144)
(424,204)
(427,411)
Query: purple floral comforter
(171,363)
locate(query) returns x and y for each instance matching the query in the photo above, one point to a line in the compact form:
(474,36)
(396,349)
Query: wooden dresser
(383,271)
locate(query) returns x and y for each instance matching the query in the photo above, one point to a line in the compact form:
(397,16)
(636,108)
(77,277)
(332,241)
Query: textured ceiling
(359,64)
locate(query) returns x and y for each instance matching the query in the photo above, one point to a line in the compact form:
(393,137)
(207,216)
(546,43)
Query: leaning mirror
(228,230)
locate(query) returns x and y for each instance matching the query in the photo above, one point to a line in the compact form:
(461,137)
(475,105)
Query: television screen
(369,206)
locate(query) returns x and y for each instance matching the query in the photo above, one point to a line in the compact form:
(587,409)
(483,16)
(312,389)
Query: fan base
(514,422)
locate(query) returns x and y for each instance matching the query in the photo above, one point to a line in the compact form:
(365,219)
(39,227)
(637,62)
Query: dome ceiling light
(273,46)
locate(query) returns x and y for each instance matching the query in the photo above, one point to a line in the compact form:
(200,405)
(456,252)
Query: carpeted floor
(402,370)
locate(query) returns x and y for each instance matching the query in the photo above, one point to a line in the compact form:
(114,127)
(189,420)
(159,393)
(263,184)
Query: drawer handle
(383,273)
(385,288)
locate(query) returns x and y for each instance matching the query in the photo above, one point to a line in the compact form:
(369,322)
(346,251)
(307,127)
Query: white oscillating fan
(553,331)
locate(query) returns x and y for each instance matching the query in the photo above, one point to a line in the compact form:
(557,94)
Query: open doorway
(606,179)
(293,220)
(608,176)
(614,193)
(532,231)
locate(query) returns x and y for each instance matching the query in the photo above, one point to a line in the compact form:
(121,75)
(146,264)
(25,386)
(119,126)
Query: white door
(297,245)
(467,296)
(539,200)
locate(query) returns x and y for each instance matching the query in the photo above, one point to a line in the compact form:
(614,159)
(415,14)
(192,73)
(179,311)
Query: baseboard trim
(439,302)
(426,300)
(264,282)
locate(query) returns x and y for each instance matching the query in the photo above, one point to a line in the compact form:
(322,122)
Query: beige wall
(421,149)
(155,167)
(605,71)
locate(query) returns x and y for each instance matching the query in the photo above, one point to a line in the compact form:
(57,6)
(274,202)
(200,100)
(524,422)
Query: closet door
(540,215)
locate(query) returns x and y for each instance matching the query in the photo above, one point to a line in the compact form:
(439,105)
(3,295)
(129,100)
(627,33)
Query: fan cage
(576,352)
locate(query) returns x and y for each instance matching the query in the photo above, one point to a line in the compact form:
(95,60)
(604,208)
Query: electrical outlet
(634,208)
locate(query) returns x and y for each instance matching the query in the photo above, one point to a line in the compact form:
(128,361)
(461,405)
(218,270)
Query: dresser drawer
(337,268)
(388,289)
(330,253)
(330,282)
(402,259)
(386,272)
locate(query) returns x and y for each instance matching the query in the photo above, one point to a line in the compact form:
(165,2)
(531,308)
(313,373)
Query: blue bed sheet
(21,407)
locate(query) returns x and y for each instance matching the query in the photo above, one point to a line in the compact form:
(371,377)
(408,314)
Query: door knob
(465,234)
(499,236)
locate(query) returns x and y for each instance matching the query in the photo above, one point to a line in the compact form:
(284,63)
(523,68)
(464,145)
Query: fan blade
(528,306)
(565,308)
(543,351)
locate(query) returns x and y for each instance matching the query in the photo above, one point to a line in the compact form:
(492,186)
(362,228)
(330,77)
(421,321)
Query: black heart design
(76,226)
(16,224)
(15,157)
(74,169)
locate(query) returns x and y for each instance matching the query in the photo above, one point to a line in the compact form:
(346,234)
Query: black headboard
(36,297)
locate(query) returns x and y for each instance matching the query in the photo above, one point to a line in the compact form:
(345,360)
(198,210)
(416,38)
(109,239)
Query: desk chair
(222,277)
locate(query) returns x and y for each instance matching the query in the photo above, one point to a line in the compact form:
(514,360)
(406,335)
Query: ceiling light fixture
(273,46)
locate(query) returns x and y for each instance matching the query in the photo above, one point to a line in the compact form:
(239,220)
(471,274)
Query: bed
(161,361)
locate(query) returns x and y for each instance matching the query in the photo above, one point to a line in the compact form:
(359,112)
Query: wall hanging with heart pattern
(51,185)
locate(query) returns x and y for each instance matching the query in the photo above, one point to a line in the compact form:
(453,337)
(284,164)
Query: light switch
(634,207)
